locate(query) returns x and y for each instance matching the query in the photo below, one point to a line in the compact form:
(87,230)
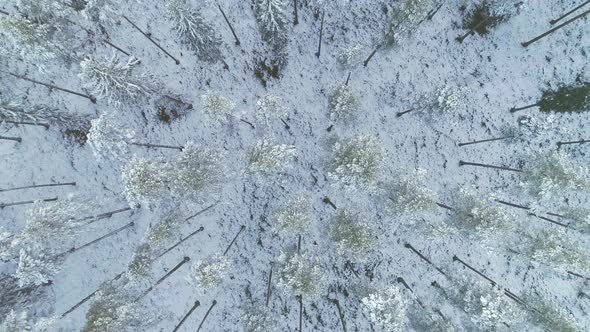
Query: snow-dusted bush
(449,98)
(300,274)
(40,114)
(293,217)
(160,235)
(353,236)
(267,157)
(5,244)
(195,170)
(50,221)
(405,19)
(14,322)
(343,104)
(33,41)
(35,266)
(556,249)
(550,315)
(258,319)
(356,162)
(554,172)
(114,310)
(271,16)
(351,56)
(115,80)
(194,31)
(217,105)
(145,180)
(474,213)
(109,139)
(387,309)
(425,320)
(42,11)
(409,196)
(209,272)
(271,106)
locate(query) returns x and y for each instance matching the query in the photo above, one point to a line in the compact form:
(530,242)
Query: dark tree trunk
(340,313)
(74,249)
(197,303)
(559,144)
(485,140)
(234,240)
(174,269)
(51,86)
(466,163)
(269,286)
(327,200)
(3,205)
(206,315)
(150,39)
(149,145)
(115,47)
(229,24)
(40,186)
(46,125)
(409,246)
(568,13)
(295,12)
(541,36)
(399,114)
(516,109)
(319,52)
(366,63)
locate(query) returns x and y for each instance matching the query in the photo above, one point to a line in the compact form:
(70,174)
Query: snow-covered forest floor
(487,76)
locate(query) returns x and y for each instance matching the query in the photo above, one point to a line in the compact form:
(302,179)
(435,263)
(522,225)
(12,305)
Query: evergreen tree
(32,41)
(43,11)
(116,310)
(350,57)
(145,181)
(14,322)
(257,318)
(108,139)
(409,196)
(343,104)
(387,309)
(267,158)
(40,114)
(356,162)
(196,169)
(300,274)
(209,272)
(480,215)
(556,249)
(566,99)
(216,105)
(405,20)
(36,266)
(116,81)
(554,172)
(293,217)
(194,31)
(352,234)
(550,315)
(271,106)
(101,11)
(271,16)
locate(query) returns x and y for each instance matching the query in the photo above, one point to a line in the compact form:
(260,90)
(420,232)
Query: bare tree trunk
(516,109)
(340,313)
(174,269)
(91,98)
(466,163)
(206,315)
(84,300)
(568,13)
(269,286)
(229,24)
(40,186)
(300,313)
(180,242)
(327,200)
(559,144)
(150,39)
(485,140)
(296,13)
(399,114)
(3,205)
(149,145)
(46,125)
(366,63)
(197,303)
(319,52)
(409,246)
(115,47)
(7,138)
(74,249)
(202,211)
(541,36)
(457,259)
(234,240)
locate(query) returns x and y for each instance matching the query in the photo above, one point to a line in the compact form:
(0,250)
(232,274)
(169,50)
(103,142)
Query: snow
(497,71)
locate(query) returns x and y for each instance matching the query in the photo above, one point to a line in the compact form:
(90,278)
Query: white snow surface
(499,72)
